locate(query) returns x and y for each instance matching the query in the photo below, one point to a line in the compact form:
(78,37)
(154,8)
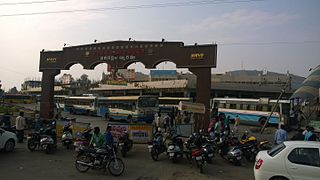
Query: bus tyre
(262,121)
(107,116)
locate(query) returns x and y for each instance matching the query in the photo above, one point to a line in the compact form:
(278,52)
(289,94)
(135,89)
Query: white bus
(85,105)
(139,108)
(255,111)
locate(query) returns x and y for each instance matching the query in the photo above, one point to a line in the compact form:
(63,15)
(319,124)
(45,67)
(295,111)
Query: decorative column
(203,89)
(47,93)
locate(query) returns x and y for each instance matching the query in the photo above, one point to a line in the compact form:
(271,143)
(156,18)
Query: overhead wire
(30,2)
(132,7)
(269,43)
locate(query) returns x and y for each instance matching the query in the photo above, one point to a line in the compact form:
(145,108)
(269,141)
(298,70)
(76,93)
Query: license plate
(210,155)
(238,158)
(171,154)
(121,144)
(29,137)
(150,147)
(198,158)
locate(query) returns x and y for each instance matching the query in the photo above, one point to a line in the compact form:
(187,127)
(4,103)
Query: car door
(303,163)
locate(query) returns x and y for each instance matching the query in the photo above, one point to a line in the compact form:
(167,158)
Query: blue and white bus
(119,108)
(167,104)
(59,101)
(85,105)
(253,111)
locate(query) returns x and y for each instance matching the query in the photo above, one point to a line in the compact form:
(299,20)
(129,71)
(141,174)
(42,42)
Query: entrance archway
(199,59)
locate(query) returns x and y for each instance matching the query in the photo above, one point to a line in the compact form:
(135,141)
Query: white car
(8,140)
(291,160)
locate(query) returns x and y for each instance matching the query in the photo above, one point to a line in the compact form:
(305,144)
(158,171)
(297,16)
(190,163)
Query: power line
(268,43)
(132,7)
(31,2)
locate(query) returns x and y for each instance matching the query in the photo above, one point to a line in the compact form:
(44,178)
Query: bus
(253,111)
(59,101)
(121,108)
(85,105)
(18,98)
(167,104)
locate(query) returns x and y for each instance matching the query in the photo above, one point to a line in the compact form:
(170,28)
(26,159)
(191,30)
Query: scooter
(157,146)
(175,148)
(125,144)
(44,139)
(67,138)
(82,139)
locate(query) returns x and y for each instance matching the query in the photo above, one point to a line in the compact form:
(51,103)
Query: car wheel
(279,178)
(9,146)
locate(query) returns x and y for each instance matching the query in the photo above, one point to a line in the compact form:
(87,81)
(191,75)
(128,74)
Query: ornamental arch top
(199,59)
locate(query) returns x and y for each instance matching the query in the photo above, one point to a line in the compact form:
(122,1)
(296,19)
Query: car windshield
(276,150)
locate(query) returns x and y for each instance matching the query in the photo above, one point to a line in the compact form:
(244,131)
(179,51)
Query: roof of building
(309,89)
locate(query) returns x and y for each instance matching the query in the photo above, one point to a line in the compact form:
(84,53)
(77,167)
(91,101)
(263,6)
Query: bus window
(239,106)
(232,106)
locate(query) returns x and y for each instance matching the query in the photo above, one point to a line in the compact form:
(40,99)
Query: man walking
(281,135)
(20,125)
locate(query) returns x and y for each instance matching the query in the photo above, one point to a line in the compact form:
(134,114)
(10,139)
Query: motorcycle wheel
(80,167)
(49,149)
(200,166)
(154,154)
(209,160)
(237,163)
(31,145)
(116,166)
(174,159)
(123,152)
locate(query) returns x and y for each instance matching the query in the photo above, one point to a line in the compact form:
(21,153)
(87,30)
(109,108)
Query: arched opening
(77,80)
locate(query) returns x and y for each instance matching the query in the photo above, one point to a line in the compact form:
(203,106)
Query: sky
(272,35)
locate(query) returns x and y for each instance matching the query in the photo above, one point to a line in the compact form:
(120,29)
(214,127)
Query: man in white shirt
(20,125)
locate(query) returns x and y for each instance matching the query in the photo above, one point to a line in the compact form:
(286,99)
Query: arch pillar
(47,93)
(203,88)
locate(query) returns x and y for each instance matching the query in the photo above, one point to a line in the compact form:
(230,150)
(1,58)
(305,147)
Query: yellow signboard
(197,56)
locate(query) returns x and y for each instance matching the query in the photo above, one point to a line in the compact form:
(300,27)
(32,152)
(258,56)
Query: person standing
(310,136)
(20,126)
(227,124)
(217,128)
(281,135)
(236,123)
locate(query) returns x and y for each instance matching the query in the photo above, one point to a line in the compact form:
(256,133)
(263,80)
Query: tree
(13,90)
(83,82)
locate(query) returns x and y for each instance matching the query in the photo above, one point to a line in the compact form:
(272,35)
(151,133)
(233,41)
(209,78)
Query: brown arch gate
(199,59)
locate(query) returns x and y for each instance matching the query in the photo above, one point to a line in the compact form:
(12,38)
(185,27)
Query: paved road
(139,165)
(22,164)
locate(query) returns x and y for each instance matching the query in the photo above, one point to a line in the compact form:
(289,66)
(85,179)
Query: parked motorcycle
(195,152)
(157,146)
(125,144)
(175,148)
(44,139)
(82,139)
(101,159)
(67,138)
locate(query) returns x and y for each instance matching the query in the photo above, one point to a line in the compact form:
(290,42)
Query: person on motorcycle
(97,138)
(108,137)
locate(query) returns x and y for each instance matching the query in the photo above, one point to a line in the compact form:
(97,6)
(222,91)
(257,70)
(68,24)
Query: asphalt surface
(23,164)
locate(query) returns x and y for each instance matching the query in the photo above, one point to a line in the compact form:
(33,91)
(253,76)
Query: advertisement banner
(117,130)
(140,133)
(137,133)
